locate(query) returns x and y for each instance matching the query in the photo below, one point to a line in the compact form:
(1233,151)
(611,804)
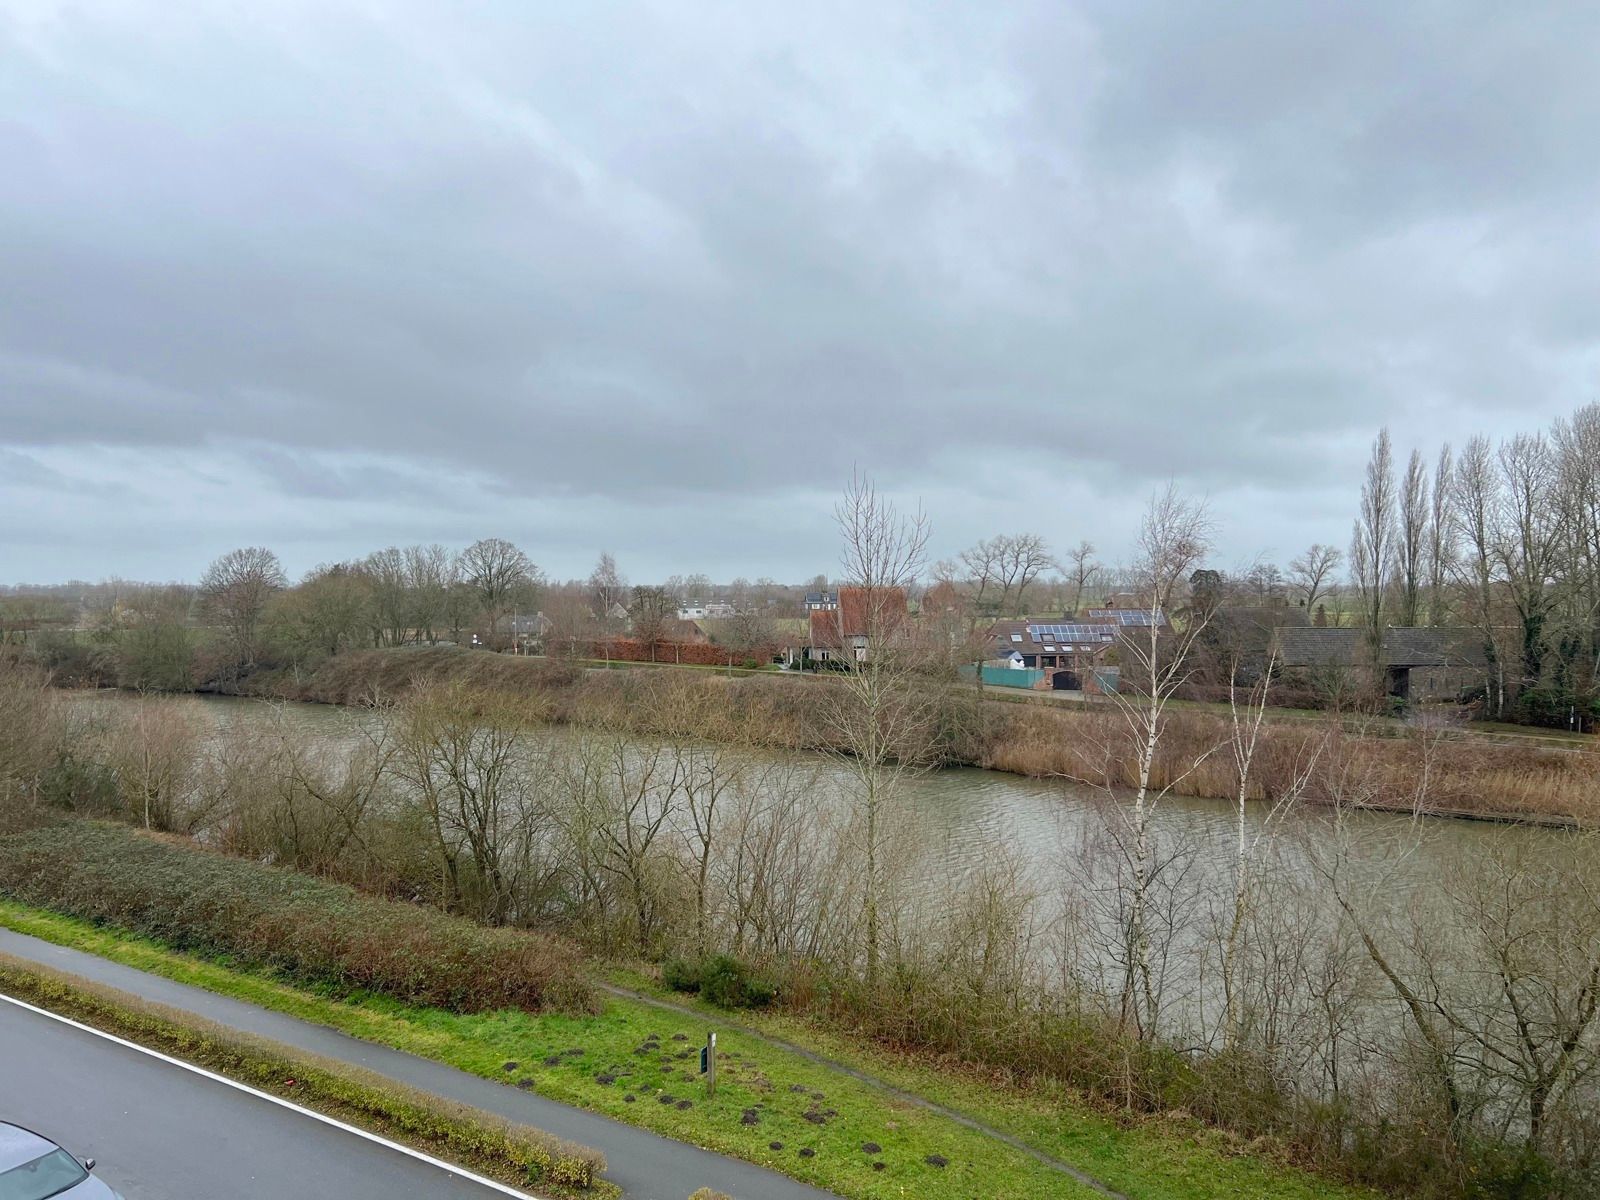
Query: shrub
(1553,708)
(721,979)
(318,933)
(727,982)
(681,975)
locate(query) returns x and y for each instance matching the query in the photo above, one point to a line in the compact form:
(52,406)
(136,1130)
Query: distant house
(1237,638)
(1069,652)
(1418,664)
(698,611)
(822,601)
(688,633)
(845,632)
(521,633)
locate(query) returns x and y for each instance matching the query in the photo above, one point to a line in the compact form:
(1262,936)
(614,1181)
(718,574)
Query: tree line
(1503,539)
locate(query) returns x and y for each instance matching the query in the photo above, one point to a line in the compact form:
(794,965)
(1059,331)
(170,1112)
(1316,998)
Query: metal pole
(711,1066)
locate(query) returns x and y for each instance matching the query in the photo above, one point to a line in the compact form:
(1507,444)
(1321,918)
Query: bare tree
(607,589)
(638,791)
(154,750)
(1506,1014)
(391,594)
(750,635)
(1245,738)
(499,573)
(462,757)
(234,592)
(1174,537)
(982,568)
(881,709)
(1476,496)
(1266,580)
(1082,572)
(427,581)
(1002,568)
(1372,546)
(1441,535)
(1577,443)
(1413,538)
(1027,557)
(574,628)
(786,876)
(1313,571)
(653,612)
(1527,543)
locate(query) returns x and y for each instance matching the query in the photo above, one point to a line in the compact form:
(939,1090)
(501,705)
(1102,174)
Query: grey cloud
(583,267)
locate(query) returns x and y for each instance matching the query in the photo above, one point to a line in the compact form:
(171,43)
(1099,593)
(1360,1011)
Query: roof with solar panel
(1073,632)
(1127,617)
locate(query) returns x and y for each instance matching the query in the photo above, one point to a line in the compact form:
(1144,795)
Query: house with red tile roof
(864,617)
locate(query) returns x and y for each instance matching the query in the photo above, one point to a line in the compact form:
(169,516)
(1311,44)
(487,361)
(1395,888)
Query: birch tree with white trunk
(1174,537)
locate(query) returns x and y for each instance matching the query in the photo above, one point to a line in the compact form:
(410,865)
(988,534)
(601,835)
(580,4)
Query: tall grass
(1426,770)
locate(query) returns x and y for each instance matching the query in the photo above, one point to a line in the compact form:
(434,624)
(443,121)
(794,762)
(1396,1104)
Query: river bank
(1002,898)
(1422,770)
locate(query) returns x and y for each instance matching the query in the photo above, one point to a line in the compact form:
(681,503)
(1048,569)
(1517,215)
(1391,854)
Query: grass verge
(625,1059)
(1167,1157)
(513,1154)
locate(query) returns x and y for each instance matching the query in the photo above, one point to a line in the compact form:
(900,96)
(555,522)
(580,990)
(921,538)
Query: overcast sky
(651,278)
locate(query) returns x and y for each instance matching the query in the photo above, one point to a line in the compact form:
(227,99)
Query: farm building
(1418,664)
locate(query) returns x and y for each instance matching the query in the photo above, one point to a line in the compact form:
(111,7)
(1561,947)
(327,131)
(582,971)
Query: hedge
(318,933)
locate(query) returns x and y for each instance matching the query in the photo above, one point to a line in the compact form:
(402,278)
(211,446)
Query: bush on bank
(319,933)
(719,979)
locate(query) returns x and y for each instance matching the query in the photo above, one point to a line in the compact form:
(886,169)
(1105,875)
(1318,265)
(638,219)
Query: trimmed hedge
(466,1135)
(318,933)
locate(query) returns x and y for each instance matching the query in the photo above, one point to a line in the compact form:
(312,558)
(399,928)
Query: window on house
(1016,637)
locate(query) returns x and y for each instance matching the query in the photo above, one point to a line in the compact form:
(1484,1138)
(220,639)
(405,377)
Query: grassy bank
(623,1059)
(514,1154)
(1166,1157)
(1370,763)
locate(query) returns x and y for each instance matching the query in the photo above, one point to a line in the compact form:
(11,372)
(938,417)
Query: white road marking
(451,1168)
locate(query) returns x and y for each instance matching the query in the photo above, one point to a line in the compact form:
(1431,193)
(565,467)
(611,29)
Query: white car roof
(19,1145)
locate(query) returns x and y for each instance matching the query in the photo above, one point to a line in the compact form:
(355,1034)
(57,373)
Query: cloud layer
(331,276)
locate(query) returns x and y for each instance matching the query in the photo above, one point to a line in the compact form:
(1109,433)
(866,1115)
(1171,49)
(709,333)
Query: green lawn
(625,1060)
(1150,1159)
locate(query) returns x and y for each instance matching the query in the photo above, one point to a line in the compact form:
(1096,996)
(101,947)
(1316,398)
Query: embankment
(1431,771)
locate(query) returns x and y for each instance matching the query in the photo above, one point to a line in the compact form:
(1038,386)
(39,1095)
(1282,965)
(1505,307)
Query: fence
(1014,677)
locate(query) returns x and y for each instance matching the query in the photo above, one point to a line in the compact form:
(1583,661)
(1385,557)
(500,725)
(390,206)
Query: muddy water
(964,816)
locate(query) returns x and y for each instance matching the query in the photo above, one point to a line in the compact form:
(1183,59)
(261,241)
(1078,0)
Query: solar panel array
(1071,633)
(1126,617)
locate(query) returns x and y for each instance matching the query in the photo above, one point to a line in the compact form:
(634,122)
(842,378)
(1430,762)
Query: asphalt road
(163,1133)
(646,1165)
